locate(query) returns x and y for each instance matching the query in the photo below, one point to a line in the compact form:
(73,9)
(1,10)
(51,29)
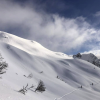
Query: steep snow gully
(63,77)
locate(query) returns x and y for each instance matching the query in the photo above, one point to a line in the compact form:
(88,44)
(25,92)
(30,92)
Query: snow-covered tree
(41,87)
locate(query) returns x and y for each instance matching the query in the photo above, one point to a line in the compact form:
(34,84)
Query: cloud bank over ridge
(51,30)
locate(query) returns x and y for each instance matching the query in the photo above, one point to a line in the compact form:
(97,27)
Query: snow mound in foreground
(61,75)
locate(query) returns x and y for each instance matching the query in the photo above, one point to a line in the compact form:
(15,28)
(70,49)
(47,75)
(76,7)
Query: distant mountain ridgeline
(88,57)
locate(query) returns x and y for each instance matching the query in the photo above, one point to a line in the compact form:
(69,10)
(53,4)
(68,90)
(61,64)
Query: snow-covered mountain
(95,52)
(65,78)
(88,57)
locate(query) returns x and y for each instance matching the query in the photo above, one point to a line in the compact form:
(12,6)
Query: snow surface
(26,57)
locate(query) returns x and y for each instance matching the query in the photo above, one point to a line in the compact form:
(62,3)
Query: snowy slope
(27,56)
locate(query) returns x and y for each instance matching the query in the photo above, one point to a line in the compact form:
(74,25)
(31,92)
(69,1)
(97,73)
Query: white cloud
(54,32)
(97,14)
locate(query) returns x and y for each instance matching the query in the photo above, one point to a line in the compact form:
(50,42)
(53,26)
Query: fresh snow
(61,74)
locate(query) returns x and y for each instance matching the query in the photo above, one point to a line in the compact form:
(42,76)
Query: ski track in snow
(74,91)
(65,95)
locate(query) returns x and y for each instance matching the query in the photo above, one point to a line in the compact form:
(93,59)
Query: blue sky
(68,26)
